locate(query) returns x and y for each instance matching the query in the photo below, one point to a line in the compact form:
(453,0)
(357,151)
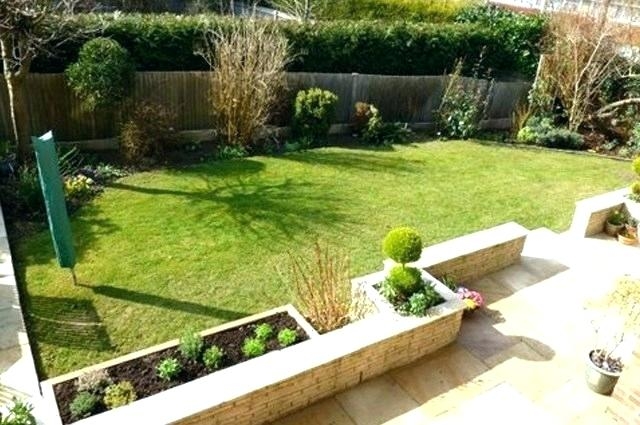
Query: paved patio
(519,360)
(18,376)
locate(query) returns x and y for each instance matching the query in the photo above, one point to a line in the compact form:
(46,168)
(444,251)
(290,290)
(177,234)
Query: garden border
(268,387)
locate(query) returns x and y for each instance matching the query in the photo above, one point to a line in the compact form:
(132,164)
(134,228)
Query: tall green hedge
(167,42)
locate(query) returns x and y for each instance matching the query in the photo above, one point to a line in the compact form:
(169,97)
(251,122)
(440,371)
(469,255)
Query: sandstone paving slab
(444,379)
(326,412)
(574,402)
(12,332)
(481,338)
(500,405)
(376,401)
(526,370)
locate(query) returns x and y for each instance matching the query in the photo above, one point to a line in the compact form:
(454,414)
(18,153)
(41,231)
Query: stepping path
(18,377)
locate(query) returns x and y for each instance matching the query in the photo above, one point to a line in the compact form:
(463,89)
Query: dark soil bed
(141,372)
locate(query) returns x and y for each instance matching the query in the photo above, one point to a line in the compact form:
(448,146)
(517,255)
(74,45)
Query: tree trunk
(20,125)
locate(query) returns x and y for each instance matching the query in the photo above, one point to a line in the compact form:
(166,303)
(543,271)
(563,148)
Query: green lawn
(163,250)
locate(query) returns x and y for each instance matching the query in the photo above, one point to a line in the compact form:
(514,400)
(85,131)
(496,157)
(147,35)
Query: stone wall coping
(469,244)
(226,385)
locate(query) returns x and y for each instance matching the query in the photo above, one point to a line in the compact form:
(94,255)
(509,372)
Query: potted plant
(604,361)
(628,236)
(615,223)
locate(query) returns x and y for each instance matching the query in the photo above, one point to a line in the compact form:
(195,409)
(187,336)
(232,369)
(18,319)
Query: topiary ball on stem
(405,281)
(403,245)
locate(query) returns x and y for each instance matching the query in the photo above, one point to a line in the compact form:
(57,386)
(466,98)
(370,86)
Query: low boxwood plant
(405,281)
(287,337)
(83,405)
(120,394)
(263,331)
(191,345)
(212,357)
(253,347)
(169,369)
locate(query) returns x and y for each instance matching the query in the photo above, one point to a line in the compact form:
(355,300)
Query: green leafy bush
(103,74)
(636,166)
(120,394)
(405,281)
(169,369)
(635,191)
(263,332)
(561,138)
(83,405)
(149,132)
(463,105)
(166,43)
(253,347)
(375,131)
(403,245)
(313,111)
(18,414)
(191,345)
(287,337)
(541,131)
(212,357)
(227,152)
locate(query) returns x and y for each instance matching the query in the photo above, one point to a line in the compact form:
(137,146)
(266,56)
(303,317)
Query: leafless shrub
(322,288)
(248,71)
(583,53)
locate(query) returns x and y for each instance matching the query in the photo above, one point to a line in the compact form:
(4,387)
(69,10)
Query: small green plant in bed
(169,369)
(119,394)
(287,337)
(212,357)
(263,332)
(191,345)
(420,302)
(83,405)
(253,347)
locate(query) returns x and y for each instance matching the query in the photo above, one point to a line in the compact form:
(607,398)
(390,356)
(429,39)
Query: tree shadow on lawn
(364,160)
(270,211)
(166,303)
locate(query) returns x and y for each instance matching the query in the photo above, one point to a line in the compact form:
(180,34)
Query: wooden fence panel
(53,105)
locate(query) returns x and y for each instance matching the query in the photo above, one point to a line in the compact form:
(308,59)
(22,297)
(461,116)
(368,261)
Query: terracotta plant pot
(599,380)
(612,229)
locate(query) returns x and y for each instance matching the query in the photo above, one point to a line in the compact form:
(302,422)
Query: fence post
(354,91)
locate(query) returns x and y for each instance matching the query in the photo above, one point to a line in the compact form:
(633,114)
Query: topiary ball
(635,188)
(403,245)
(406,281)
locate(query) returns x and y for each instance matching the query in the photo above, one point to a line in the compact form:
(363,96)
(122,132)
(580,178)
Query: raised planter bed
(140,368)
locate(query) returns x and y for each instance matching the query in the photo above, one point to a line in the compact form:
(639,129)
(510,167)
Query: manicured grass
(163,250)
